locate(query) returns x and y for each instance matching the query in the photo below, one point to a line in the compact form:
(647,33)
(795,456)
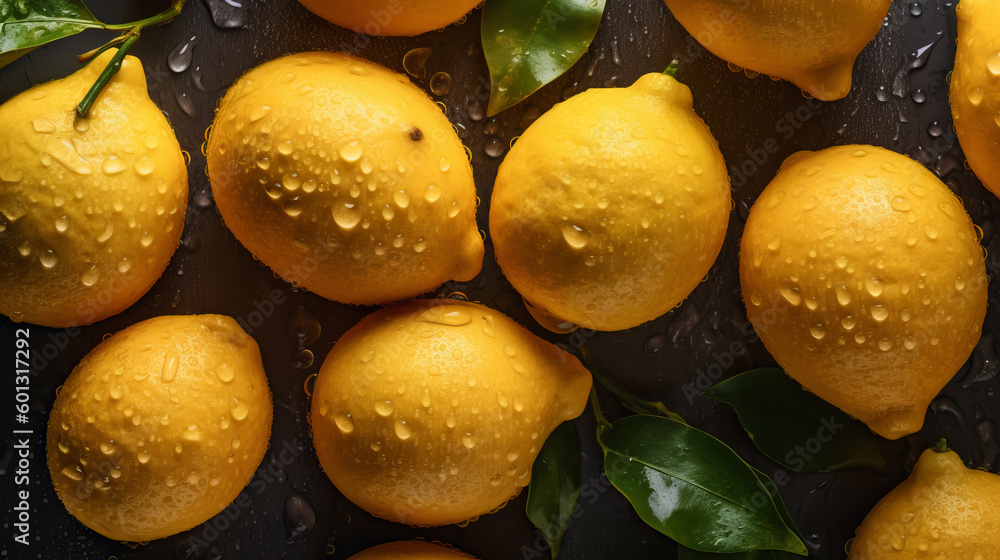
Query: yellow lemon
(431,412)
(391,17)
(943,510)
(975,88)
(91,210)
(160,426)
(863,276)
(811,44)
(345,179)
(611,207)
(410,550)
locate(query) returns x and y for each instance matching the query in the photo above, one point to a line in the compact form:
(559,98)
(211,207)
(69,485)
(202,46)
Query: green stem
(87,56)
(672,68)
(129,38)
(83,109)
(942,446)
(163,17)
(631,401)
(596,405)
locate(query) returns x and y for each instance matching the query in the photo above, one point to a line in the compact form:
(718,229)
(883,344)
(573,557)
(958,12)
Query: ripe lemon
(611,207)
(975,88)
(344,178)
(391,17)
(90,209)
(943,510)
(160,426)
(410,550)
(864,278)
(431,412)
(811,44)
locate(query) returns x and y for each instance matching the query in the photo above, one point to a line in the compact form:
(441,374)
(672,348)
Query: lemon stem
(942,446)
(672,68)
(630,401)
(596,405)
(126,40)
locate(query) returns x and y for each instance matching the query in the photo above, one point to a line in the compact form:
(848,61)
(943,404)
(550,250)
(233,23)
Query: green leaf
(529,43)
(28,24)
(795,427)
(555,484)
(685,553)
(693,488)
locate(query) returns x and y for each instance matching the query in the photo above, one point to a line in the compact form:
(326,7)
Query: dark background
(212,273)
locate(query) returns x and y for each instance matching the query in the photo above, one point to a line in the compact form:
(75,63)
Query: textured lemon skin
(811,44)
(943,510)
(391,17)
(409,550)
(975,88)
(431,412)
(612,206)
(137,454)
(344,178)
(863,276)
(89,214)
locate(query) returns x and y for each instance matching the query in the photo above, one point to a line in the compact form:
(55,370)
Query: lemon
(431,412)
(391,17)
(612,206)
(811,44)
(943,510)
(410,550)
(160,426)
(91,210)
(975,88)
(345,179)
(863,276)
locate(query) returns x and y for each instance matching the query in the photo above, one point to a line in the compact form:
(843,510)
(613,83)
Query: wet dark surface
(899,101)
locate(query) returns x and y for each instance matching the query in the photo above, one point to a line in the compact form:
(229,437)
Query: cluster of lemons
(860,270)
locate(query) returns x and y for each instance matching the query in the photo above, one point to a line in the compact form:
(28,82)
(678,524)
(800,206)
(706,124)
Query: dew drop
(403,432)
(575,236)
(225,372)
(346,216)
(440,83)
(415,61)
(343,422)
(352,151)
(238,410)
(384,408)
(171,362)
(993,63)
(879,312)
(144,166)
(468,441)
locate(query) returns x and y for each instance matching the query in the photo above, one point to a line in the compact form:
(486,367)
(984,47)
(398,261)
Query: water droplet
(468,441)
(144,456)
(879,312)
(352,151)
(192,433)
(227,14)
(48,258)
(817,332)
(24,248)
(384,408)
(885,345)
(791,295)
(343,422)
(440,83)
(494,147)
(73,472)
(42,126)
(900,204)
(449,315)
(993,63)
(171,362)
(918,96)
(144,166)
(575,236)
(62,223)
(843,296)
(346,216)
(90,276)
(292,207)
(415,61)
(403,431)
(915,9)
(432,194)
(299,517)
(225,372)
(401,198)
(238,410)
(655,344)
(179,59)
(874,287)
